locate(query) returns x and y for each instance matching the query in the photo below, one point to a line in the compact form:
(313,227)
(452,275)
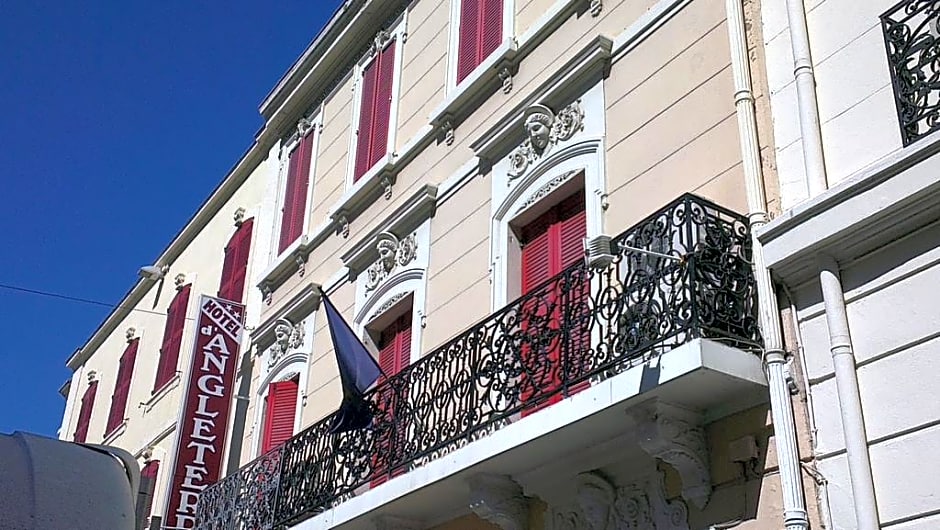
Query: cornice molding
(304,302)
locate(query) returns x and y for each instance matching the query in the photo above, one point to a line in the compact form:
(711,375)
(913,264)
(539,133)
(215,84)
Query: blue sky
(118,120)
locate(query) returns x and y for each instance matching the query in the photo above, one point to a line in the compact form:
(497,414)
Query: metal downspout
(794,505)
(850,402)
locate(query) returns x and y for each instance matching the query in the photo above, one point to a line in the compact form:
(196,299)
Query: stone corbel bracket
(499,500)
(675,435)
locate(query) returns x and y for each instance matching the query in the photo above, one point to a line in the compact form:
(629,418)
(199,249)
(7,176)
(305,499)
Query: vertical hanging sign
(204,422)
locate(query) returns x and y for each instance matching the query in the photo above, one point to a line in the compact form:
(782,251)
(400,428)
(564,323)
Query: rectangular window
(294,210)
(394,356)
(84,414)
(122,386)
(481,32)
(172,338)
(148,484)
(550,244)
(375,110)
(280,408)
(235,265)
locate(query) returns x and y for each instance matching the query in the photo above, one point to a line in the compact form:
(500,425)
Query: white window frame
(453,49)
(292,364)
(398,34)
(287,147)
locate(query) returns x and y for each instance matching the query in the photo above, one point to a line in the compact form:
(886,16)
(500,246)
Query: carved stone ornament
(379,41)
(287,337)
(544,129)
(267,293)
(638,506)
(239,216)
(92,376)
(547,188)
(130,334)
(342,225)
(389,303)
(447,126)
(675,436)
(179,281)
(392,253)
(596,7)
(506,77)
(301,129)
(386,184)
(499,500)
(301,262)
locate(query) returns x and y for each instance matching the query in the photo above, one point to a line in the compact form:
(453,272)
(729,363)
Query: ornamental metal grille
(912,39)
(578,328)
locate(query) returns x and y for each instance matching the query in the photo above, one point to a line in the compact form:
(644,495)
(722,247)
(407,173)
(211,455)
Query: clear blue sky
(118,120)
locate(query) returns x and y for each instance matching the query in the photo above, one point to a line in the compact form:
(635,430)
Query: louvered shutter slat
(148,482)
(469,38)
(122,386)
(383,104)
(240,272)
(366,118)
(290,189)
(172,337)
(491,28)
(279,416)
(84,415)
(301,187)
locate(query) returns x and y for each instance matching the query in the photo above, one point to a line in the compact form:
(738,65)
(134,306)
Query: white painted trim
(397,33)
(157,396)
(115,433)
(296,363)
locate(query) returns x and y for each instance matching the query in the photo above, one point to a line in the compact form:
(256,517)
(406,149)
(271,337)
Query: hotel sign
(204,422)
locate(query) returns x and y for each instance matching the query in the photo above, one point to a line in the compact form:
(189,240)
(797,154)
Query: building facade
(539,215)
(855,249)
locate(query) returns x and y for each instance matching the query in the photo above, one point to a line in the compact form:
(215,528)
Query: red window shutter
(281,406)
(295,192)
(84,414)
(469,38)
(491,27)
(235,266)
(394,356)
(148,483)
(366,118)
(122,386)
(172,337)
(383,104)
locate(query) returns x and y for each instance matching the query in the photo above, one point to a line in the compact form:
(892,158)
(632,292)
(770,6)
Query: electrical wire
(68,298)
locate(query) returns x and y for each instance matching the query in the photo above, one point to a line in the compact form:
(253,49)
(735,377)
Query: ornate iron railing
(582,326)
(912,39)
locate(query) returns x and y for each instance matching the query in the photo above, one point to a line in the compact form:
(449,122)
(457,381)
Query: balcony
(577,336)
(912,39)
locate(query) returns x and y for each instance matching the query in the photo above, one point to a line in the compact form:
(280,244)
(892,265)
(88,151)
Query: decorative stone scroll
(544,129)
(287,337)
(638,506)
(499,500)
(675,436)
(392,253)
(547,188)
(596,7)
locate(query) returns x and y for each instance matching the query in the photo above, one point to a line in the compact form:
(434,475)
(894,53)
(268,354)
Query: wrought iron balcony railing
(912,38)
(584,325)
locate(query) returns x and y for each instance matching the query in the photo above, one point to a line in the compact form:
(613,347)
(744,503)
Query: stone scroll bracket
(676,436)
(499,500)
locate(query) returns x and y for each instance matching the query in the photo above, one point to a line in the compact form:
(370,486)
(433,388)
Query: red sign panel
(204,423)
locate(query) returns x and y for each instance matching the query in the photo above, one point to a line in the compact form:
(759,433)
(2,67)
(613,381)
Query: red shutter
(366,118)
(491,33)
(235,266)
(281,406)
(122,386)
(383,104)
(469,39)
(148,483)
(172,337)
(551,243)
(295,192)
(394,356)
(84,414)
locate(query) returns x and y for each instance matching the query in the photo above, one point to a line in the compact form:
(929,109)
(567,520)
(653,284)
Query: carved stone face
(538,128)
(282,333)
(387,251)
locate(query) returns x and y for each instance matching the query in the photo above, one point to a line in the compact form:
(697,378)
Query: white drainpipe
(850,402)
(794,505)
(813,159)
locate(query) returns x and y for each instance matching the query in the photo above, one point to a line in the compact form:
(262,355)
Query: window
(280,407)
(294,210)
(375,110)
(481,32)
(394,356)
(122,386)
(172,338)
(84,415)
(235,265)
(550,244)
(148,484)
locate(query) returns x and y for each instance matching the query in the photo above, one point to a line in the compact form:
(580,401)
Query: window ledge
(161,392)
(115,433)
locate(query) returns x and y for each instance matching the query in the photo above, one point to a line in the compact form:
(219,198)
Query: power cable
(76,299)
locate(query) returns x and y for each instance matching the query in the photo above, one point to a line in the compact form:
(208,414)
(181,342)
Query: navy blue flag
(357,371)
